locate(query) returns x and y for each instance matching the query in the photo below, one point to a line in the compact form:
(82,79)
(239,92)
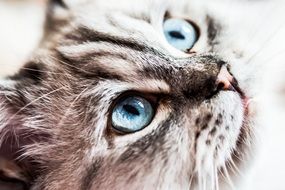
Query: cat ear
(57,8)
(58,11)
(59,3)
(65,3)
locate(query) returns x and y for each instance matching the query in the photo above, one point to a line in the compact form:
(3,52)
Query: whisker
(200,177)
(190,181)
(266,42)
(228,178)
(278,55)
(213,186)
(32,102)
(71,104)
(41,71)
(256,28)
(217,185)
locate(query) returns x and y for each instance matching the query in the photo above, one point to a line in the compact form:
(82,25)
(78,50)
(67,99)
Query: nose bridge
(208,65)
(200,78)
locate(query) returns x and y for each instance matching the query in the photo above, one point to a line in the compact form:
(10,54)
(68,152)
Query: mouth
(243,146)
(246,101)
(228,82)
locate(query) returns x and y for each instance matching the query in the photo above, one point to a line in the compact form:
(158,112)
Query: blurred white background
(20,30)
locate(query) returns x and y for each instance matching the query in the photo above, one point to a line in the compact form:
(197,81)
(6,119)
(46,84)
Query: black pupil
(131,109)
(177,34)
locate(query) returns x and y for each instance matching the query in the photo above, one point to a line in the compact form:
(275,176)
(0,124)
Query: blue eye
(132,114)
(180,33)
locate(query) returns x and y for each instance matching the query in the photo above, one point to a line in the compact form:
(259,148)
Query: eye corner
(167,15)
(59,3)
(190,51)
(195,25)
(153,98)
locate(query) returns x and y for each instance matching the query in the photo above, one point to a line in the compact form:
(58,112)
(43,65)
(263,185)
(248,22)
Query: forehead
(141,20)
(136,5)
(148,6)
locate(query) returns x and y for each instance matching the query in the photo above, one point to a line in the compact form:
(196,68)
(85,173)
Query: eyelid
(151,97)
(198,31)
(197,28)
(167,15)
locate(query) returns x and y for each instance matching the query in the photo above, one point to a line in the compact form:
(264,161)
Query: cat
(154,94)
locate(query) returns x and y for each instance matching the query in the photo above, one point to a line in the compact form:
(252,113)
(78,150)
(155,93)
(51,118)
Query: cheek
(218,137)
(148,160)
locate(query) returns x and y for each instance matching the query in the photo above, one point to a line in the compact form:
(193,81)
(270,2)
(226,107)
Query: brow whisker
(70,105)
(266,42)
(32,102)
(41,71)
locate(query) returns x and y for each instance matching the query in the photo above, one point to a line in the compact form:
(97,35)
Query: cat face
(108,102)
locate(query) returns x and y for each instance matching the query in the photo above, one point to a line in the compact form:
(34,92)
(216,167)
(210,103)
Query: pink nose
(225,79)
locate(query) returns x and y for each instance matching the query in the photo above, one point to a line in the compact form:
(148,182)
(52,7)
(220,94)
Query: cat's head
(133,94)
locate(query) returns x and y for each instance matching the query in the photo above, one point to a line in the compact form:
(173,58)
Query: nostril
(209,84)
(225,85)
(224,80)
(221,86)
